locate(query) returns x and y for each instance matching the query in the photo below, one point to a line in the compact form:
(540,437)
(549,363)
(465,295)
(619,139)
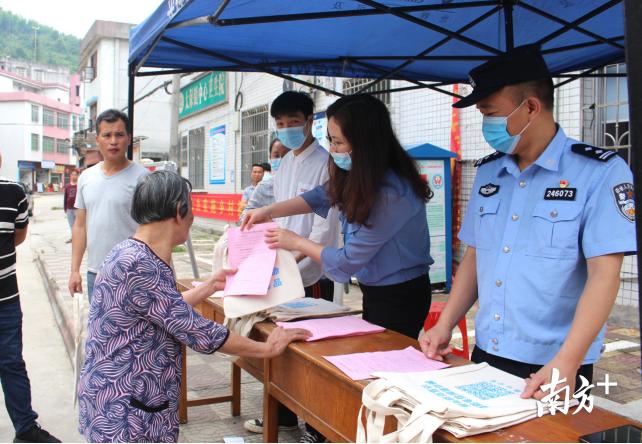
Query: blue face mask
(342,160)
(275,164)
(496,133)
(292,138)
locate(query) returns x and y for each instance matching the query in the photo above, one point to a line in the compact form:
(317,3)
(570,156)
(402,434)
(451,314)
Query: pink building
(39,122)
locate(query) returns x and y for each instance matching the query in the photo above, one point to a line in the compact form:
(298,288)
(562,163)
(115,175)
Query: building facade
(37,121)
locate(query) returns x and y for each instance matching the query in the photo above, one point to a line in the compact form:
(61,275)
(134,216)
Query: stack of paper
(361,365)
(306,308)
(334,327)
(254,260)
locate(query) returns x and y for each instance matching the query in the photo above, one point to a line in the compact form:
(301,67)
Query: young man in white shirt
(303,168)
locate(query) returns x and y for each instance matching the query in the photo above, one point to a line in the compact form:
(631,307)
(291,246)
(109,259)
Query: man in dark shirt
(13,373)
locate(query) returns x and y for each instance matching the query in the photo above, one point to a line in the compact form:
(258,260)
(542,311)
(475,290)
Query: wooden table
(324,397)
(213,311)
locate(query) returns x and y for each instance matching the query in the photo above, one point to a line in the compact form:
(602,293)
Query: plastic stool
(432,318)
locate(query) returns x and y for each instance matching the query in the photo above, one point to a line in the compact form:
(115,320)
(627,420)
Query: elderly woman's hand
(279,339)
(203,291)
(217,280)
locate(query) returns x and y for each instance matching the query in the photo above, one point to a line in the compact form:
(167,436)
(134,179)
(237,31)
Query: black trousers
(323,288)
(524,370)
(400,307)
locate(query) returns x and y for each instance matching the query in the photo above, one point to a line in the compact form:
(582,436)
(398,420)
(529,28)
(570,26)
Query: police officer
(547,226)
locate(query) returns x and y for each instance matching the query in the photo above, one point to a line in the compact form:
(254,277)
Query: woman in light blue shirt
(382,197)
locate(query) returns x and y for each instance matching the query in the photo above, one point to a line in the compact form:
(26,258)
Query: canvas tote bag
(464,401)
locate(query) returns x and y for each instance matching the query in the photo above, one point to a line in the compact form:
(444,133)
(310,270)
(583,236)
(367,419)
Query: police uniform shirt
(533,231)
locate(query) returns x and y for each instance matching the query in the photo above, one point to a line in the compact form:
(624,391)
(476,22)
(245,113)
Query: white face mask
(293,137)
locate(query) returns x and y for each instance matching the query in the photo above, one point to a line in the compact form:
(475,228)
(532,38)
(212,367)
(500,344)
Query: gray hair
(158,195)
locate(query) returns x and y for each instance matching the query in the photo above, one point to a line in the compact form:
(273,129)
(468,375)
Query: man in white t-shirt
(103,200)
(303,168)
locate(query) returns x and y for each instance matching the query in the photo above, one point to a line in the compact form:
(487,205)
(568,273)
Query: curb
(64,317)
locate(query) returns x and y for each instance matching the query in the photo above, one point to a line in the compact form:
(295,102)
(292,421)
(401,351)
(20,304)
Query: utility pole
(35,43)
(174,137)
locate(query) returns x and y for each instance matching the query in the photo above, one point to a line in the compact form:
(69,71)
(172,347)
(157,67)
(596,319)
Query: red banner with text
(225,207)
(455,147)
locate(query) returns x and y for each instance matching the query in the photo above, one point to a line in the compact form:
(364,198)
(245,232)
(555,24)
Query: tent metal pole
(172,71)
(599,75)
(581,45)
(633,42)
(443,41)
(454,34)
(553,18)
(424,85)
(573,77)
(574,23)
(508,25)
(130,109)
(330,15)
(241,63)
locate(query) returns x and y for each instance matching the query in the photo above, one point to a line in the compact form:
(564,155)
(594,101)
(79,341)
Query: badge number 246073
(560,193)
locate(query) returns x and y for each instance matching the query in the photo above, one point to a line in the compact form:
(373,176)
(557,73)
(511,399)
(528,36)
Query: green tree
(53,48)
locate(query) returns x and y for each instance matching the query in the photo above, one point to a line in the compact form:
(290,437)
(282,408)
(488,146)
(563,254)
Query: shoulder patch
(489,158)
(624,200)
(601,154)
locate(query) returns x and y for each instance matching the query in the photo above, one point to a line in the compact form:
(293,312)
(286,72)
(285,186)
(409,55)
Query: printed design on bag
(451,396)
(486,390)
(276,280)
(298,304)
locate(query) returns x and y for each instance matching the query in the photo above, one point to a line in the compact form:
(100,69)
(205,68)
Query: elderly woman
(129,385)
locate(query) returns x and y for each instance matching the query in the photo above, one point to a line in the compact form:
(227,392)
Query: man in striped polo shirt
(13,373)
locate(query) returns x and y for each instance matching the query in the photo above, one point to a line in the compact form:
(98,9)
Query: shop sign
(204,93)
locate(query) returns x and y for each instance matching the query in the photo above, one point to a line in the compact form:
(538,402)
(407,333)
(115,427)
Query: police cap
(522,64)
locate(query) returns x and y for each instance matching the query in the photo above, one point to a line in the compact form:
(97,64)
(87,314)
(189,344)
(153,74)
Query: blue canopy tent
(429,43)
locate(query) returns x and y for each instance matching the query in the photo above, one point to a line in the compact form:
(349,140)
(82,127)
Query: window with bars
(63,120)
(612,112)
(352,86)
(48,144)
(62,146)
(197,158)
(254,141)
(48,117)
(74,122)
(93,62)
(35,113)
(35,142)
